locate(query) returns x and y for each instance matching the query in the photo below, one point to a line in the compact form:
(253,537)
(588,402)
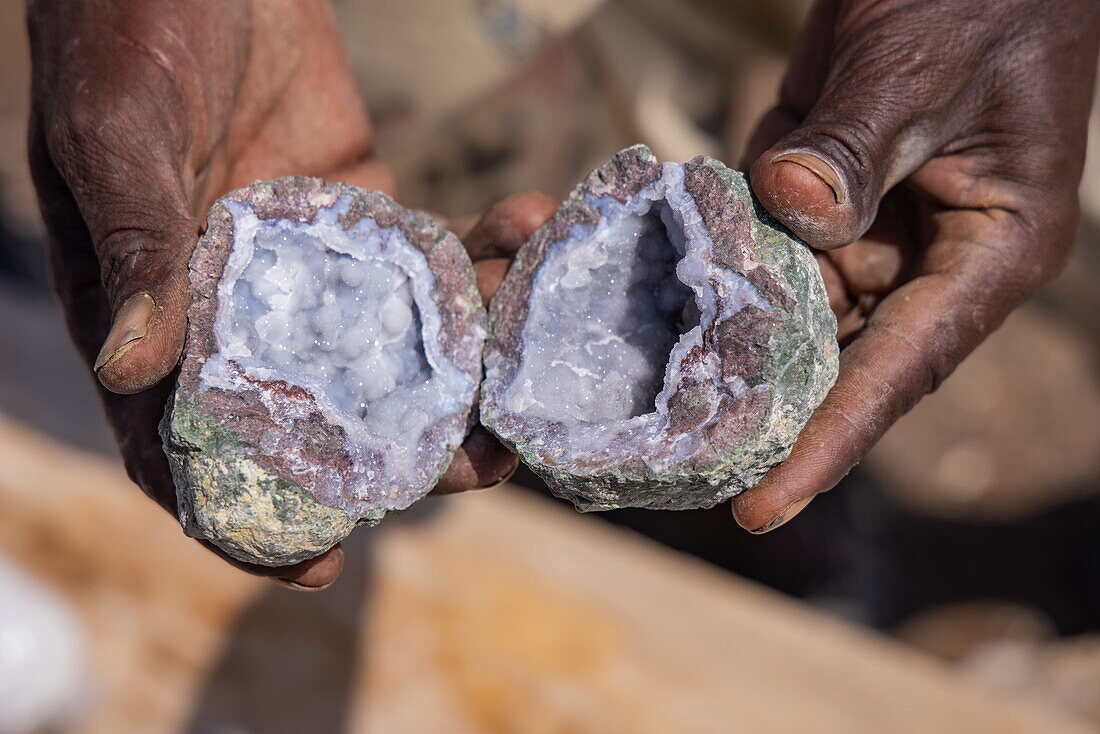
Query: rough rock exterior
(741,366)
(273,462)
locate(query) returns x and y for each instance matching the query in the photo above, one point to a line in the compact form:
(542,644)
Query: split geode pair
(659,343)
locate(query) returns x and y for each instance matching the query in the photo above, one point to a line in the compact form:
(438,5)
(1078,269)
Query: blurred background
(970,536)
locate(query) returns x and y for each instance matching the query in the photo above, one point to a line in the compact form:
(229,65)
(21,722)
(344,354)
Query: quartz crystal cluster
(660,342)
(331,367)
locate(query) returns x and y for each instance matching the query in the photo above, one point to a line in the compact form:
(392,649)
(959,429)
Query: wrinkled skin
(943,139)
(930,151)
(144,113)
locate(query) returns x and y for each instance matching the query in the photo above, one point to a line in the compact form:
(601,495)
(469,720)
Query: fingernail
(788,512)
(291,584)
(131,323)
(504,477)
(819,167)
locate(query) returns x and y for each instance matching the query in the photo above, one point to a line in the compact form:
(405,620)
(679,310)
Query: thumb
(877,117)
(118,142)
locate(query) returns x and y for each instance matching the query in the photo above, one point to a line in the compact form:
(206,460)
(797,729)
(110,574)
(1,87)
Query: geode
(331,367)
(660,342)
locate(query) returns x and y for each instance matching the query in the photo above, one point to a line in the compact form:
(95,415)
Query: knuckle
(850,143)
(132,254)
(846,142)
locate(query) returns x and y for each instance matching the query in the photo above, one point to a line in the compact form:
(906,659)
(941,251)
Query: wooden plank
(488,613)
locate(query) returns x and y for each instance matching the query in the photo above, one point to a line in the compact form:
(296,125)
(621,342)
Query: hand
(492,241)
(142,115)
(945,141)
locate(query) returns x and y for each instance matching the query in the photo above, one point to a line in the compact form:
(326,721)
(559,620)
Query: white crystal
(348,315)
(614,308)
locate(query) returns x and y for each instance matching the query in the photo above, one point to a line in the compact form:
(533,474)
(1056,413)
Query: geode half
(332,363)
(660,342)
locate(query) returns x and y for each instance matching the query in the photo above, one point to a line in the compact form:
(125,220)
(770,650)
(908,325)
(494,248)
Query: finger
(881,259)
(371,174)
(840,301)
(911,342)
(75,270)
(877,116)
(508,224)
(314,574)
(461,226)
(118,143)
(481,463)
(489,274)
(73,263)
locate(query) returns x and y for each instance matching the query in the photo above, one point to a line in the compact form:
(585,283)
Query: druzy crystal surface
(331,367)
(660,342)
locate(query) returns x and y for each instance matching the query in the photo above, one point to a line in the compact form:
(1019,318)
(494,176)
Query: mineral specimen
(660,342)
(332,363)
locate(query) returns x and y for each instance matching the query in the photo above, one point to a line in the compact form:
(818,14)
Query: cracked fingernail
(788,512)
(819,167)
(131,323)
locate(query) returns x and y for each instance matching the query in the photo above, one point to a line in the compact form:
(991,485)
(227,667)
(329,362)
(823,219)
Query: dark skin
(930,151)
(145,113)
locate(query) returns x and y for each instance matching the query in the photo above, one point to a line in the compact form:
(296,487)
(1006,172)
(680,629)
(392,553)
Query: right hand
(930,152)
(143,113)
